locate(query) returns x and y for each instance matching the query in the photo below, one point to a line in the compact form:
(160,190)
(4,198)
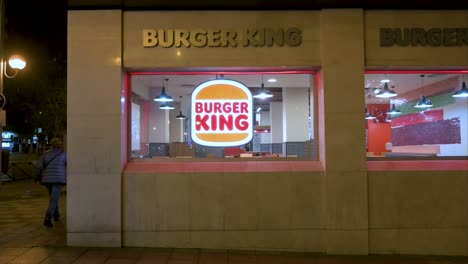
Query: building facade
(335,201)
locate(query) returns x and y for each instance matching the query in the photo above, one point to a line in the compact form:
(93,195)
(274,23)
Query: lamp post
(16,63)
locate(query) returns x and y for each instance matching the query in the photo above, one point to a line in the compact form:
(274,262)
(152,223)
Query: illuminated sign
(253,37)
(222,114)
(433,37)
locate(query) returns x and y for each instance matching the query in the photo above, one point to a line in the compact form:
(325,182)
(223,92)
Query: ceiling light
(423,102)
(272,80)
(463,92)
(393,111)
(163,97)
(259,109)
(180,115)
(263,93)
(166,106)
(386,92)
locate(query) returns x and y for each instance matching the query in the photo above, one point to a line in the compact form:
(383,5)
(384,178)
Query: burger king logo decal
(222,114)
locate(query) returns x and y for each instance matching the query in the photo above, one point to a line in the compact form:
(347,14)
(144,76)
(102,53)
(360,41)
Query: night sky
(38,31)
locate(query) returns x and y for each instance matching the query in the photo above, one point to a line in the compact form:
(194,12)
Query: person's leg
(53,203)
(57,211)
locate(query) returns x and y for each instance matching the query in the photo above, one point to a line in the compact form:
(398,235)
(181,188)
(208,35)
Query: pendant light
(369,115)
(423,102)
(263,93)
(166,106)
(180,115)
(386,92)
(163,97)
(393,111)
(463,92)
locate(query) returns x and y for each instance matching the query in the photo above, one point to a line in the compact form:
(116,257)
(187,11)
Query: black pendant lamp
(180,115)
(163,97)
(423,102)
(263,93)
(386,92)
(393,111)
(463,92)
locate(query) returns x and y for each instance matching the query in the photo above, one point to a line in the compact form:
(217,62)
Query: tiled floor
(23,239)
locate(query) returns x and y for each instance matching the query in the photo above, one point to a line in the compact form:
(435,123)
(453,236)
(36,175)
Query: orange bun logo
(222,114)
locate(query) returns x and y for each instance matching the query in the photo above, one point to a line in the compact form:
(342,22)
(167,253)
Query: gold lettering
(181,38)
(214,38)
(228,37)
(249,38)
(293,37)
(149,38)
(272,36)
(261,37)
(166,38)
(198,37)
(254,37)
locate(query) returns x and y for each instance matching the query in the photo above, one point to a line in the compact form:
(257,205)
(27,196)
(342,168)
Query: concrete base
(275,240)
(94,239)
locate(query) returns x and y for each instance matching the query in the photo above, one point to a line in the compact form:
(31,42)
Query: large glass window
(422,115)
(283,124)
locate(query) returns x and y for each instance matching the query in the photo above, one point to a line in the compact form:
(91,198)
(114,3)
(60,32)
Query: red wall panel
(437,132)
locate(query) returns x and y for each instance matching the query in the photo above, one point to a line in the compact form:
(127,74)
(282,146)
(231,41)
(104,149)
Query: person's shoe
(48,223)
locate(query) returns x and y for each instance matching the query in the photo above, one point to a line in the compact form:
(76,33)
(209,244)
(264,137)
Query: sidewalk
(23,239)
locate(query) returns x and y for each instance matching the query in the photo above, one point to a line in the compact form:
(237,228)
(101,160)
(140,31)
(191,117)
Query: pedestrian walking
(51,173)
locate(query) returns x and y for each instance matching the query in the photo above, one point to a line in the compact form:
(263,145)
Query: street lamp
(16,62)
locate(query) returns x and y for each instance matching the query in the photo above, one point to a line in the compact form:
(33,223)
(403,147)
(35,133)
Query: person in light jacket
(53,166)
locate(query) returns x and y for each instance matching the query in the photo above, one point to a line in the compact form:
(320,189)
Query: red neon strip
(418,165)
(220,72)
(231,166)
(416,72)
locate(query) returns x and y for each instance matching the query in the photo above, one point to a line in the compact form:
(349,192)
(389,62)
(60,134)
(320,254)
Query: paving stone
(58,260)
(69,252)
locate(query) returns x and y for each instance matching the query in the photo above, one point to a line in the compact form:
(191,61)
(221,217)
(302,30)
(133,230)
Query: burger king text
(260,37)
(221,113)
(217,116)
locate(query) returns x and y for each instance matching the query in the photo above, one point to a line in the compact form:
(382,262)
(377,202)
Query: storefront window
(282,124)
(416,115)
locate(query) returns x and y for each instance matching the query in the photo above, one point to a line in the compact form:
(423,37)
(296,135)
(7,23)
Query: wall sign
(433,37)
(221,114)
(262,37)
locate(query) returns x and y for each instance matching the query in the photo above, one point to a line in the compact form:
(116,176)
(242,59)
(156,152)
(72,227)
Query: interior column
(295,121)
